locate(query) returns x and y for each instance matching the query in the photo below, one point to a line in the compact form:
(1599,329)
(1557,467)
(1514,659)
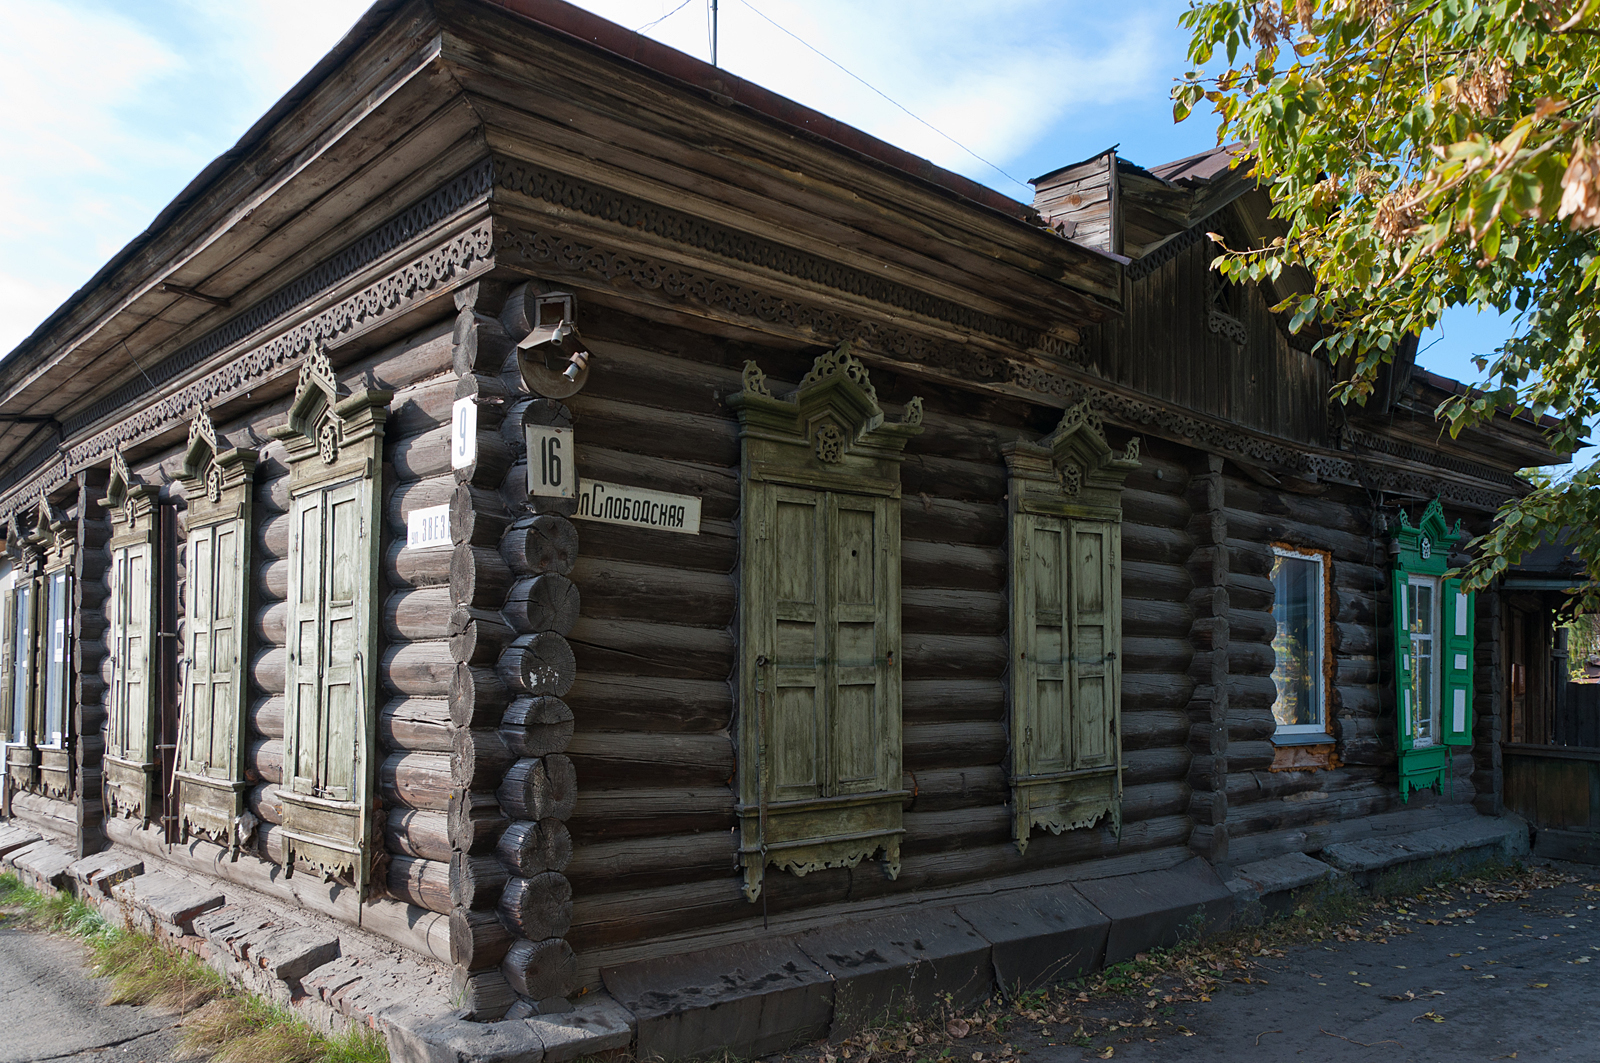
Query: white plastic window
(1422,621)
(1299,646)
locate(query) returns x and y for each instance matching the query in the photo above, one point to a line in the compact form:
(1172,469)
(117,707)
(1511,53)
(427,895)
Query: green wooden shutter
(303,710)
(23,659)
(1456,664)
(1046,739)
(210,730)
(8,639)
(798,637)
(129,733)
(54,647)
(860,559)
(342,644)
(1095,636)
(1404,689)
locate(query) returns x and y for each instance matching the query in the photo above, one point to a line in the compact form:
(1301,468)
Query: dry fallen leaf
(958,1028)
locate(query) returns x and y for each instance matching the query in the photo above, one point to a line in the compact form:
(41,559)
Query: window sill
(1304,738)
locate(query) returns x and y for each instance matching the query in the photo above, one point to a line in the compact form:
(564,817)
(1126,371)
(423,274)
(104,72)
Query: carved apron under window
(819,670)
(335,452)
(1065,507)
(218,480)
(132,771)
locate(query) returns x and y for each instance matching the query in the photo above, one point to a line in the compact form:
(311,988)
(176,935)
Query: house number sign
(463,433)
(638,507)
(551,471)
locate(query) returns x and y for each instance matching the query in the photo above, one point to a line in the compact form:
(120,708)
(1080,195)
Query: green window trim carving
(335,451)
(1064,506)
(820,782)
(131,770)
(1433,650)
(218,482)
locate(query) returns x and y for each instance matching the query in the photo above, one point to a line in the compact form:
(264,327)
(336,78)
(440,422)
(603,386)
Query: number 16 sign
(551,470)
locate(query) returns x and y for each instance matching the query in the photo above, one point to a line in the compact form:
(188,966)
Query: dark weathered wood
(533,727)
(528,847)
(478,939)
(478,759)
(933,701)
(478,517)
(540,970)
(404,567)
(939,789)
(539,788)
(483,996)
(476,881)
(542,603)
(668,650)
(415,724)
(416,615)
(479,576)
(424,883)
(635,813)
(421,456)
(489,393)
(542,544)
(621,759)
(418,669)
(539,906)
(953,745)
(480,343)
(643,862)
(476,821)
(408,495)
(478,696)
(538,664)
(423,834)
(629,590)
(478,636)
(416,780)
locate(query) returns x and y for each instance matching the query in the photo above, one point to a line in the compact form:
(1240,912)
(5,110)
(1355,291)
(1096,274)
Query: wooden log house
(556,506)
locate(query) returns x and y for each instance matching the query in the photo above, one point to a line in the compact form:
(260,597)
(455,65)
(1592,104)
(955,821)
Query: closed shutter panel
(56,641)
(8,640)
(1404,689)
(1046,739)
(799,708)
(858,586)
(344,579)
(1457,664)
(22,679)
(129,732)
(1095,636)
(195,740)
(229,564)
(304,712)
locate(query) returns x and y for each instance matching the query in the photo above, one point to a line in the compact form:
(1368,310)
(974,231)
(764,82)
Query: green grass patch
(219,1020)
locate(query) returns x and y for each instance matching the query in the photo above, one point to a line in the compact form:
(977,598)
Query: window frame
(1070,480)
(1320,733)
(829,439)
(131,777)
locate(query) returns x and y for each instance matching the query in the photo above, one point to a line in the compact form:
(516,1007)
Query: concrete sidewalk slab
(1040,936)
(1155,909)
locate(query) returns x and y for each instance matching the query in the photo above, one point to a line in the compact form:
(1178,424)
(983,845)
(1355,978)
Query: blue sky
(111,108)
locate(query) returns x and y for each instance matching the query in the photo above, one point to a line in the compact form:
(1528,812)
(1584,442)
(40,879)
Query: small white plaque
(428,529)
(1461,662)
(1460,709)
(1461,615)
(552,473)
(639,507)
(463,433)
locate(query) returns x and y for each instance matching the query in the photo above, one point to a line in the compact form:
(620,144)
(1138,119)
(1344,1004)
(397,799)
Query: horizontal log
(411,832)
(539,788)
(529,847)
(953,745)
(1151,542)
(1168,655)
(478,759)
(935,700)
(478,636)
(1250,658)
(958,566)
(263,760)
(476,881)
(630,647)
(642,862)
(939,789)
(939,609)
(928,518)
(1165,508)
(424,883)
(1154,765)
(717,485)
(489,394)
(634,813)
(1143,618)
(534,727)
(416,615)
(537,907)
(715,549)
(953,656)
(651,429)
(416,780)
(622,758)
(270,625)
(478,696)
(1151,728)
(264,803)
(481,346)
(271,844)
(410,495)
(417,669)
(415,725)
(1155,582)
(272,581)
(266,716)
(415,568)
(542,603)
(1246,692)
(272,488)
(481,995)
(632,590)
(479,576)
(540,970)
(478,516)
(539,664)
(478,939)
(476,821)
(540,545)
(492,458)
(420,456)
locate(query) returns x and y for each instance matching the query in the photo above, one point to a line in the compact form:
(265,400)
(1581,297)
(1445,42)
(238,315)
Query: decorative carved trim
(712,239)
(1350,438)
(1140,268)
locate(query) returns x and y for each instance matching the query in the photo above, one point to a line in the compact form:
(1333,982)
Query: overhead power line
(663,18)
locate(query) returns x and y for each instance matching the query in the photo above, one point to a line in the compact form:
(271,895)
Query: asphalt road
(50,1009)
(1517,981)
